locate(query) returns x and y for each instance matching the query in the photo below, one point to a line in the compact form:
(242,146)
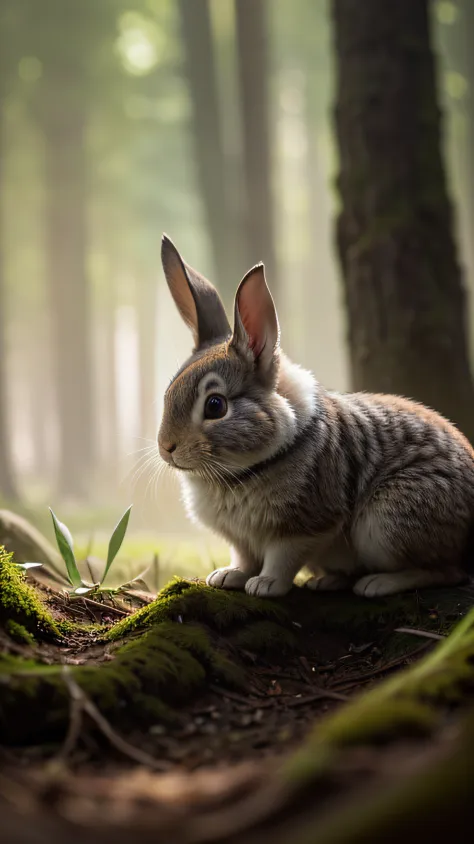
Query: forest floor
(285,691)
(185,777)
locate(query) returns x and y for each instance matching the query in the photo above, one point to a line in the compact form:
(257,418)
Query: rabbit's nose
(169,447)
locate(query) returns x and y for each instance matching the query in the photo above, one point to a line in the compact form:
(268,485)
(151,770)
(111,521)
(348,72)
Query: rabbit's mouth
(180,468)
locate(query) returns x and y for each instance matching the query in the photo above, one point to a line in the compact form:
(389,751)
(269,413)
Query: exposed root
(82,705)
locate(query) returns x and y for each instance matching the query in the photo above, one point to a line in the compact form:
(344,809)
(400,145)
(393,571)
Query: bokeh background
(211,120)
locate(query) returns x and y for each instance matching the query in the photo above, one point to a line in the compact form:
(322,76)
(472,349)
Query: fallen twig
(105,608)
(233,695)
(424,634)
(357,679)
(319,695)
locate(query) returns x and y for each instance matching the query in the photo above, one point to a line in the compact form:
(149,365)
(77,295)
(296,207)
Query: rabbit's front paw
(227,578)
(266,587)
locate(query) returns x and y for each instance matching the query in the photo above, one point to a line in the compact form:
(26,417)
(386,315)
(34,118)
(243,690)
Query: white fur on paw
(227,578)
(266,587)
(378,585)
(327,583)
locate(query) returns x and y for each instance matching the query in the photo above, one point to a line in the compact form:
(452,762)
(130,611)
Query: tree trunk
(106,380)
(467,26)
(147,289)
(252,52)
(110,397)
(7,481)
(66,251)
(207,136)
(404,292)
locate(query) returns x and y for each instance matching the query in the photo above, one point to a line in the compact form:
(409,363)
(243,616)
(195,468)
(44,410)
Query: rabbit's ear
(196,299)
(256,328)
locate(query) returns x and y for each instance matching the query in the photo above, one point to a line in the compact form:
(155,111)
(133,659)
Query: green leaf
(65,545)
(116,541)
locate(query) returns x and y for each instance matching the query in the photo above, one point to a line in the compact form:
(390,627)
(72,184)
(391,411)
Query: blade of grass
(64,540)
(116,541)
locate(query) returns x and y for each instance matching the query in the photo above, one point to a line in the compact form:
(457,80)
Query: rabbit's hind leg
(411,534)
(335,568)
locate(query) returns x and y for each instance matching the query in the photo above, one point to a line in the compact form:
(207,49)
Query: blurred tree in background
(201,77)
(253,69)
(8,59)
(69,40)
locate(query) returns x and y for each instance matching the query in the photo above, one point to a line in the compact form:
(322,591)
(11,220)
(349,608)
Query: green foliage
(66,549)
(116,540)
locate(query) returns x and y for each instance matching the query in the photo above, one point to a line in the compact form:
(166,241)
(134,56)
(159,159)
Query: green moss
(162,668)
(373,724)
(424,799)
(195,639)
(19,601)
(265,636)
(186,601)
(19,633)
(172,652)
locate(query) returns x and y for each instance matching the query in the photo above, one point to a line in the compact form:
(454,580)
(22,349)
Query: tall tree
(455,32)
(68,39)
(466,27)
(64,124)
(147,299)
(8,487)
(200,70)
(252,57)
(404,292)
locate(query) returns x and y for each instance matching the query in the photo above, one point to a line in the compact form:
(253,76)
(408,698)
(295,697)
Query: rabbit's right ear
(196,299)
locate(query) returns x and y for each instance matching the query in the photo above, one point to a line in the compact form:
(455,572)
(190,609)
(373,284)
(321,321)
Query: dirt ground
(222,747)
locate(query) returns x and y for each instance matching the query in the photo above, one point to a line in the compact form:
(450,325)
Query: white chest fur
(243,515)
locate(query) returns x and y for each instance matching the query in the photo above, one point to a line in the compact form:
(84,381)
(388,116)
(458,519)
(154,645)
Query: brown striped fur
(372,492)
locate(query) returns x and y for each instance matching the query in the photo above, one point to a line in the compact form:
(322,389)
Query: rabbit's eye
(215,407)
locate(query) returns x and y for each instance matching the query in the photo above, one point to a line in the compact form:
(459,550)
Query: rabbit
(369,492)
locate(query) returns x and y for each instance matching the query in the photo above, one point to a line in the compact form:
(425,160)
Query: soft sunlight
(137,44)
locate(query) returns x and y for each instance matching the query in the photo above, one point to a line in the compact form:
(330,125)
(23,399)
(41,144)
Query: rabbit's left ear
(256,328)
(196,299)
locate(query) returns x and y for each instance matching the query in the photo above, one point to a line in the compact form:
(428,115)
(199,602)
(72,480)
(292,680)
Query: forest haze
(211,120)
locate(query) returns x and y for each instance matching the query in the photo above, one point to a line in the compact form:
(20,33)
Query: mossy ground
(152,662)
(234,669)
(19,603)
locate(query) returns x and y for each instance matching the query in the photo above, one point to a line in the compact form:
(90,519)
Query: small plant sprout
(66,548)
(116,541)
